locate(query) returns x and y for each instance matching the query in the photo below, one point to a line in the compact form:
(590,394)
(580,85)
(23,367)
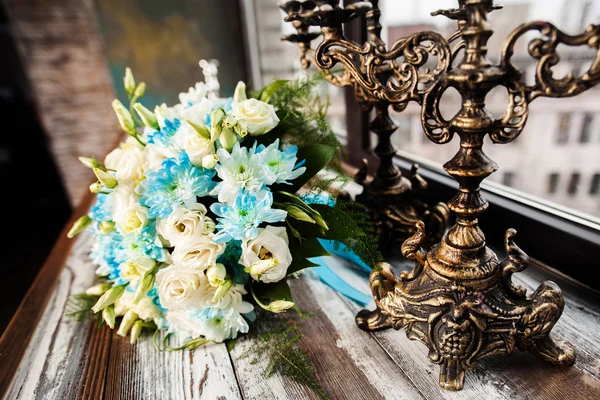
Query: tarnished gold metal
(459,299)
(380,79)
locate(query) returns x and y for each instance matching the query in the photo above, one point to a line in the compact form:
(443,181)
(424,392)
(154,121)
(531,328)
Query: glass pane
(556,157)
(278,59)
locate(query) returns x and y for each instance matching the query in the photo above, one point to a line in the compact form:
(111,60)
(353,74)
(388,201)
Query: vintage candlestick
(459,299)
(392,199)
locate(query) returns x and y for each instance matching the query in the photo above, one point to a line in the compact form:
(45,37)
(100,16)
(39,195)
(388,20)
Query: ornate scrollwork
(544,50)
(405,81)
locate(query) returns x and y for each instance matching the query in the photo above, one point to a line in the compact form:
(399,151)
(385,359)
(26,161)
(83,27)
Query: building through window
(574,183)
(553,182)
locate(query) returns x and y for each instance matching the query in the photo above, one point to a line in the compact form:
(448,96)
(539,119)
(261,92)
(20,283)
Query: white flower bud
(105,178)
(91,162)
(108,315)
(228,139)
(139,91)
(200,129)
(107,226)
(216,274)
(129,81)
(108,298)
(96,187)
(280,306)
(147,116)
(240,92)
(99,289)
(222,290)
(127,322)
(79,226)
(136,331)
(124,117)
(209,161)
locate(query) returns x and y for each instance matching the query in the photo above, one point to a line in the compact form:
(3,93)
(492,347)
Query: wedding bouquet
(198,217)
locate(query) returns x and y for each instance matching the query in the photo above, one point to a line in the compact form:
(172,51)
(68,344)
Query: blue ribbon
(331,279)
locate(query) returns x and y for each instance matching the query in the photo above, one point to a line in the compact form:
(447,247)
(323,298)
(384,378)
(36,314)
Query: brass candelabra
(459,298)
(392,199)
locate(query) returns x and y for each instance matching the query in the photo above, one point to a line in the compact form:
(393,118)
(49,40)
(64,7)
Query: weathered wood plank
(142,372)
(50,366)
(348,363)
(16,337)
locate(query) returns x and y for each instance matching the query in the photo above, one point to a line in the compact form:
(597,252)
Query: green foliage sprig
(79,307)
(278,339)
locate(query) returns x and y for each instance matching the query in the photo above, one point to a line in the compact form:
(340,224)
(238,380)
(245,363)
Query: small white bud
(147,116)
(124,117)
(240,92)
(108,298)
(79,226)
(280,306)
(129,81)
(99,289)
(209,161)
(127,322)
(105,178)
(108,315)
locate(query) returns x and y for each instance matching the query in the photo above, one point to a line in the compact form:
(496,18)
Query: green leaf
(317,157)
(274,291)
(231,344)
(299,264)
(269,90)
(309,248)
(341,226)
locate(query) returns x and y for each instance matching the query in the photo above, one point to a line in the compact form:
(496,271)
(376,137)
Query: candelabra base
(464,320)
(395,208)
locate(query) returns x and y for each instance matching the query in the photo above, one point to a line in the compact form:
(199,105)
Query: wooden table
(44,355)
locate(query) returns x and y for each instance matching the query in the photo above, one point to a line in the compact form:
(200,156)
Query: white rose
(180,287)
(156,154)
(267,257)
(185,224)
(128,214)
(145,308)
(200,253)
(259,116)
(128,161)
(133,270)
(193,144)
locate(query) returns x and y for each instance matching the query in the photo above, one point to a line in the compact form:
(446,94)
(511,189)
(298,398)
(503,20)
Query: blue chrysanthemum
(177,183)
(240,221)
(282,166)
(105,254)
(146,243)
(100,211)
(165,134)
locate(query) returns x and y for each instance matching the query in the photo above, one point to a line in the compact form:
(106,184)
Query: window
(508,179)
(553,179)
(574,183)
(595,186)
(564,124)
(586,128)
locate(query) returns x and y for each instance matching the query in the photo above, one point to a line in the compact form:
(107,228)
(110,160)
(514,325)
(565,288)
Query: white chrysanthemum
(194,95)
(164,113)
(199,254)
(281,165)
(213,323)
(267,257)
(184,225)
(242,169)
